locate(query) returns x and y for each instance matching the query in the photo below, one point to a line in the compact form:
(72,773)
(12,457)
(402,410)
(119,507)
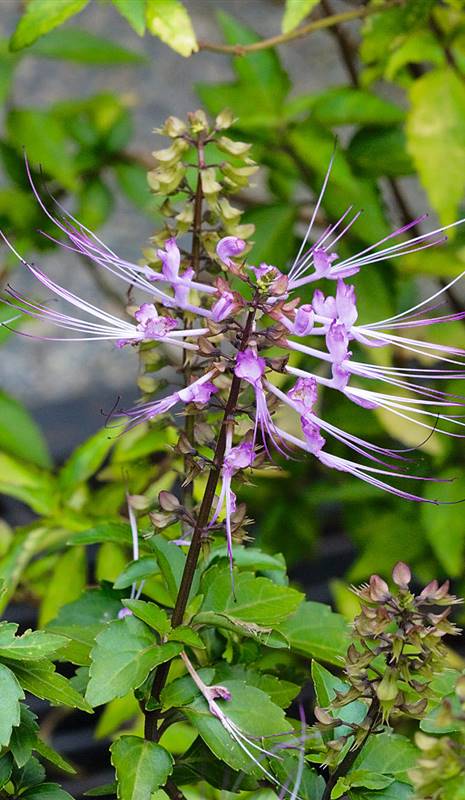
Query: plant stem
(151,717)
(350,757)
(299,33)
(187,491)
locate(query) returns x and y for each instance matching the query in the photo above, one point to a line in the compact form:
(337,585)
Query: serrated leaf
(436,138)
(170,21)
(11,693)
(186,635)
(6,768)
(40,17)
(395,791)
(317,632)
(83,47)
(130,646)
(294,12)
(311,786)
(256,601)
(46,791)
(251,710)
(134,12)
(387,753)
(183,691)
(51,755)
(151,614)
(24,737)
(39,678)
(141,767)
(19,434)
(32,645)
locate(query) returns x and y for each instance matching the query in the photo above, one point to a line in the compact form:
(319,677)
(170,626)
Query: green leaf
(326,685)
(273,239)
(51,755)
(251,710)
(11,693)
(281,692)
(250,558)
(311,784)
(44,139)
(40,679)
(186,635)
(40,17)
(387,753)
(317,632)
(344,105)
(19,434)
(132,181)
(32,645)
(169,20)
(102,791)
(171,561)
(151,614)
(46,791)
(73,44)
(295,11)
(368,780)
(117,532)
(32,774)
(134,12)
(144,567)
(86,460)
(6,768)
(436,138)
(183,691)
(199,763)
(28,483)
(24,737)
(395,791)
(443,524)
(257,600)
(130,647)
(66,584)
(141,767)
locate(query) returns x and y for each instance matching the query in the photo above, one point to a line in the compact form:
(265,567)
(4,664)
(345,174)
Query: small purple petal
(249,366)
(229,247)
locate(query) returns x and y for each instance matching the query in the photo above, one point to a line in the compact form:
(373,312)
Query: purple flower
(171,260)
(304,394)
(198,392)
(228,248)
(239,457)
(270,279)
(346,304)
(304,320)
(314,439)
(151,325)
(224,306)
(249,366)
(337,341)
(322,262)
(324,306)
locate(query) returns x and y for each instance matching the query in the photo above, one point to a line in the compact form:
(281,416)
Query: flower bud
(387,690)
(224,119)
(379,590)
(401,575)
(168,501)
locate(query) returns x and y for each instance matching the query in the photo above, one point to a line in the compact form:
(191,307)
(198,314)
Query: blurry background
(83,101)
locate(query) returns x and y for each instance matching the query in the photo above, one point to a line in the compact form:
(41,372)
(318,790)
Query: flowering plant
(197,626)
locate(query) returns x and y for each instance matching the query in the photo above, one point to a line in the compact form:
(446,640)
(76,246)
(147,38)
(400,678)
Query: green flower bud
(387,690)
(172,127)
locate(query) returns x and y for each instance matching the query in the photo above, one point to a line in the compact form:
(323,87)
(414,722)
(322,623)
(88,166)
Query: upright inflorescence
(230,345)
(397,647)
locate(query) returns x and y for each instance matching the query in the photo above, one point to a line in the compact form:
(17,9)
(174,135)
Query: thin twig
(299,33)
